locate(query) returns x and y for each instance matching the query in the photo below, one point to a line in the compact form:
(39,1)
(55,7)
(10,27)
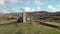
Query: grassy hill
(8,27)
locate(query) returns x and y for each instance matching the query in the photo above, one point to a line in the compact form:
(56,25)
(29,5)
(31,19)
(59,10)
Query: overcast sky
(8,6)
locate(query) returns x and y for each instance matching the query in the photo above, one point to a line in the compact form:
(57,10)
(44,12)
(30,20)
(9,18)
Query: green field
(8,27)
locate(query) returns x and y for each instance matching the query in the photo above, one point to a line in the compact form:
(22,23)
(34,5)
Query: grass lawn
(7,21)
(26,28)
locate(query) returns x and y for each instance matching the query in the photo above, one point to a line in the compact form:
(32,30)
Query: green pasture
(8,27)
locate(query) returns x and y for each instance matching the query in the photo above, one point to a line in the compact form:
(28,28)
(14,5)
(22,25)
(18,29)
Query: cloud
(37,2)
(27,9)
(29,2)
(9,10)
(2,2)
(58,5)
(21,2)
(38,8)
(33,10)
(4,11)
(12,2)
(13,10)
(25,3)
(50,7)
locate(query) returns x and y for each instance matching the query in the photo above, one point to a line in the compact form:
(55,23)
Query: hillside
(37,15)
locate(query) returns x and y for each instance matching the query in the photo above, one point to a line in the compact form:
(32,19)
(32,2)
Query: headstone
(24,17)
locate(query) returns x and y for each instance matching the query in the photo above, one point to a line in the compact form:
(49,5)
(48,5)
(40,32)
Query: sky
(13,6)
